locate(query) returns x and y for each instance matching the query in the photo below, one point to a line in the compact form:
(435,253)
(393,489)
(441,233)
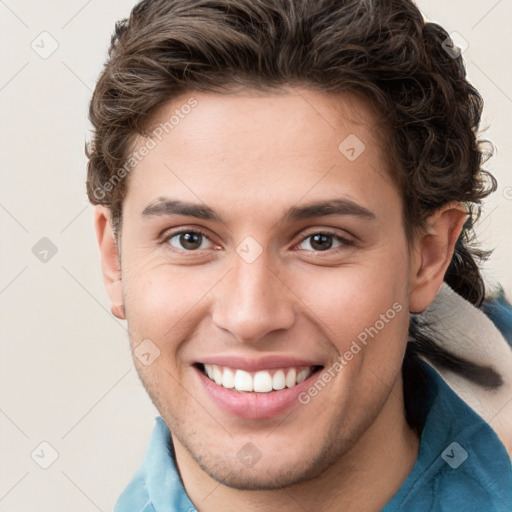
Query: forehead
(254,148)
(260,119)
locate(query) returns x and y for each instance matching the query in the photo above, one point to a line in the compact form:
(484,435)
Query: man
(282,186)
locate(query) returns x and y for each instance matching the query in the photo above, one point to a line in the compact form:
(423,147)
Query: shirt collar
(461,465)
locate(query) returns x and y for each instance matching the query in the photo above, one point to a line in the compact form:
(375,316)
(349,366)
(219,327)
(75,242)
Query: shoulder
(478,335)
(461,464)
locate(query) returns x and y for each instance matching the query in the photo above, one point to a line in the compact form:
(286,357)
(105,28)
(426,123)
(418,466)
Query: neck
(365,478)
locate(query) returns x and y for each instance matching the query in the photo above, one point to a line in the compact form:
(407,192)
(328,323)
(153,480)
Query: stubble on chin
(270,473)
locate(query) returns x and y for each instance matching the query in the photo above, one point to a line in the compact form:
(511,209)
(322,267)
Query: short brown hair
(381,49)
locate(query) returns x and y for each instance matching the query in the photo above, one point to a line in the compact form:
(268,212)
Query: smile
(262,381)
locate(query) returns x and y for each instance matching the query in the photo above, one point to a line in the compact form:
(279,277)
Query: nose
(253,301)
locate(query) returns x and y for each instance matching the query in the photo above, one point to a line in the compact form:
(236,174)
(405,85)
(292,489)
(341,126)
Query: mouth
(261,381)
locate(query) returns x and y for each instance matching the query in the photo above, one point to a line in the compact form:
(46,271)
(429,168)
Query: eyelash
(344,241)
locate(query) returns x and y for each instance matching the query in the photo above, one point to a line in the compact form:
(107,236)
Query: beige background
(66,375)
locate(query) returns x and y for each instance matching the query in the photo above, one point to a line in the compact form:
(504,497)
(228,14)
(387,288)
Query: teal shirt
(462,466)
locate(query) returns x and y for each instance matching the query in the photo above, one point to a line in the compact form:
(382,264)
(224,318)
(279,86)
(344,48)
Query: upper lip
(254,364)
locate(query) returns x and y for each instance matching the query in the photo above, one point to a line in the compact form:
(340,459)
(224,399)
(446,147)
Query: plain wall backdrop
(66,377)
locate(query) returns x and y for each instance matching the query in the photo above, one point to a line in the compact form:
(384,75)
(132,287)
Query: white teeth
(302,375)
(278,380)
(243,381)
(262,381)
(217,375)
(228,380)
(291,378)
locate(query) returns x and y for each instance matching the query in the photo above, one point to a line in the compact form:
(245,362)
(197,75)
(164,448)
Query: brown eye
(322,242)
(187,240)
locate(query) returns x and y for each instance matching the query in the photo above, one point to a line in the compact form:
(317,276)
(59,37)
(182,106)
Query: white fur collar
(466,331)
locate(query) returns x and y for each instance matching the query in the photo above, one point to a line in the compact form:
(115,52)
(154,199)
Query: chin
(272,471)
(265,477)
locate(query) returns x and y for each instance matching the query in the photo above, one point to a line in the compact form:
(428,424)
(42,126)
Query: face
(258,250)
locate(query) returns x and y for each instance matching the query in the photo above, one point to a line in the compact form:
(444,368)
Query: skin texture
(251,156)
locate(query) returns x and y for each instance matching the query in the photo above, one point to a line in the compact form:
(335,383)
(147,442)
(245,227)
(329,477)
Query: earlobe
(109,260)
(433,253)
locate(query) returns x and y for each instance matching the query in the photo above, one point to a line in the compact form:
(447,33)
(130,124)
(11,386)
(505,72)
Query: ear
(109,260)
(433,253)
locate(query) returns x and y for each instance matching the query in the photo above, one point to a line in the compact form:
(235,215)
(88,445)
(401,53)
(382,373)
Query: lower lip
(254,405)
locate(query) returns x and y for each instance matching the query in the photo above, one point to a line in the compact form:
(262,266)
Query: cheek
(365,317)
(160,298)
(350,299)
(363,311)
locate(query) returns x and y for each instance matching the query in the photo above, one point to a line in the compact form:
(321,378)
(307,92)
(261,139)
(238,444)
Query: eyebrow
(166,207)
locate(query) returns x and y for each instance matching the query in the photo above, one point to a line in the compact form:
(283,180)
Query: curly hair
(383,50)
